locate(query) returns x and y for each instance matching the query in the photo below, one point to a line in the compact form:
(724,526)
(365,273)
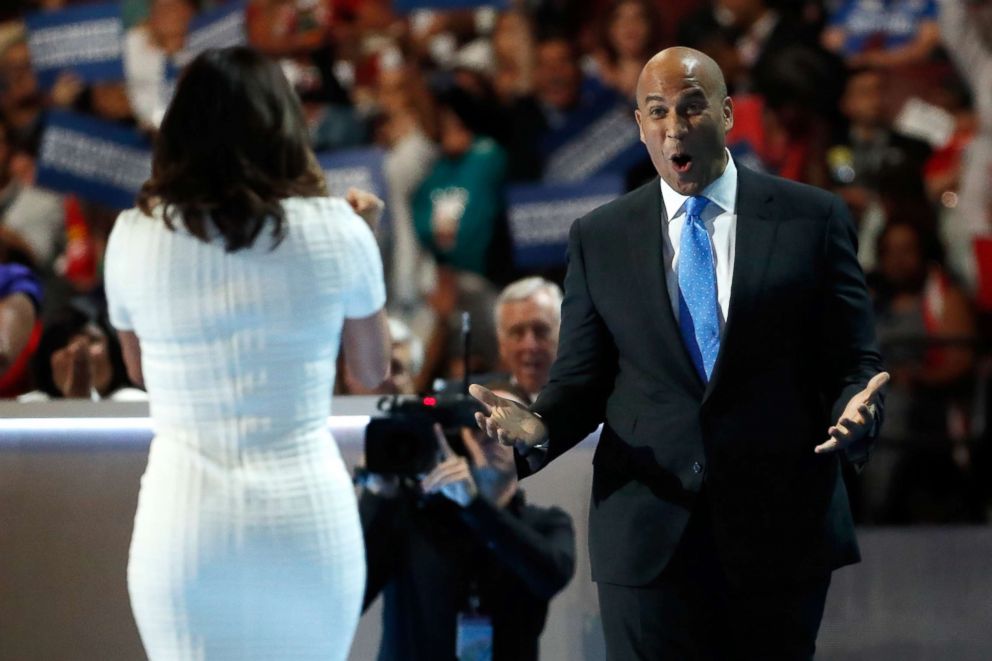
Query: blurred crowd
(889,104)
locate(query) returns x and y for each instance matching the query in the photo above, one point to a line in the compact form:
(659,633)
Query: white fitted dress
(246,543)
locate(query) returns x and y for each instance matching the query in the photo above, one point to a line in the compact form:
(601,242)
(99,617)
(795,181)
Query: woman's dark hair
(472,112)
(233,144)
(60,328)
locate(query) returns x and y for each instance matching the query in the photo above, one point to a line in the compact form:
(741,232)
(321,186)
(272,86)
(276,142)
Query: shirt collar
(531,396)
(722,192)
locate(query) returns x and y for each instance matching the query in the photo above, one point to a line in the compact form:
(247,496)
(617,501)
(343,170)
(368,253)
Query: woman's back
(246,541)
(241,346)
(230,286)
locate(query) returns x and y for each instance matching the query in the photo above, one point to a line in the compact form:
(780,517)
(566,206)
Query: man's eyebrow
(690,92)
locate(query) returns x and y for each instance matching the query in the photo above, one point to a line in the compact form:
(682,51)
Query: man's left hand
(857,418)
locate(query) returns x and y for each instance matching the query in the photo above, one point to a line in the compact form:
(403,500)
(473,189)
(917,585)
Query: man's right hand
(507,421)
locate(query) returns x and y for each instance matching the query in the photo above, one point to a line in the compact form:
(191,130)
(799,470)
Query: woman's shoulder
(136,220)
(127,220)
(135,226)
(331,213)
(312,204)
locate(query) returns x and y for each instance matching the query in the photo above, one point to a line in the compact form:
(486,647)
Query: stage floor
(68,487)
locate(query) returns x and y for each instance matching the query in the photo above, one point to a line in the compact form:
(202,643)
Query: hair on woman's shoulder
(232,146)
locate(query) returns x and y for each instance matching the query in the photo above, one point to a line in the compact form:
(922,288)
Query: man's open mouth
(681,162)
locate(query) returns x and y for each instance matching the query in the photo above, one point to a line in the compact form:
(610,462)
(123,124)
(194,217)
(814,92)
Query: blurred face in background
(401,375)
(741,13)
(404,103)
(83,363)
(401,369)
(628,30)
(557,76)
(900,258)
(22,168)
(456,139)
(17,80)
(862,102)
(168,21)
(513,53)
(392,93)
(528,339)
(511,35)
(109,101)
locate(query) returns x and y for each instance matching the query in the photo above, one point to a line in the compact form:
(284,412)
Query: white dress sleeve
(114,268)
(366,293)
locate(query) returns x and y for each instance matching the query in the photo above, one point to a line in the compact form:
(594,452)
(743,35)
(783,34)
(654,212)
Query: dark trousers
(692,612)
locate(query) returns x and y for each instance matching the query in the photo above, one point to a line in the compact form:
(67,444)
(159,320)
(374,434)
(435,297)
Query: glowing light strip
(123,432)
(342,422)
(70,424)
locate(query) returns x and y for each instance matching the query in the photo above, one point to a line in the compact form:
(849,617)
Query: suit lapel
(754,238)
(645,245)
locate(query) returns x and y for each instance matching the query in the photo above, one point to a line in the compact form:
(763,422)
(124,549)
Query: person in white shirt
(149,58)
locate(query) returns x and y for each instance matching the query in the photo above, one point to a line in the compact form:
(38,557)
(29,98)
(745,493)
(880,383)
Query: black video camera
(403,442)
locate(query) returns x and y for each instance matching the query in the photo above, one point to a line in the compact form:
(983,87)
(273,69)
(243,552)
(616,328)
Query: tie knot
(694,206)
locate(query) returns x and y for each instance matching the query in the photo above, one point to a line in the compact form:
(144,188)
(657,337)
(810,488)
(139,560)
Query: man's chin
(682,186)
(532,382)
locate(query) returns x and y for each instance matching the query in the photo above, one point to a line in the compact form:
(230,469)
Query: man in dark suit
(717,323)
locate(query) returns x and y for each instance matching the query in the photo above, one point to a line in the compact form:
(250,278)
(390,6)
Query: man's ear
(637,116)
(728,114)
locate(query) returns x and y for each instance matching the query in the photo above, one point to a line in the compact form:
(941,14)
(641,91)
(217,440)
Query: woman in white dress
(232,285)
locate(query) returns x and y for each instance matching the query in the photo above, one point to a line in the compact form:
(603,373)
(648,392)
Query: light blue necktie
(699,317)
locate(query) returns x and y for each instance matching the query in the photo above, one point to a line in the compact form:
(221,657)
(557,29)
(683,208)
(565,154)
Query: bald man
(716,322)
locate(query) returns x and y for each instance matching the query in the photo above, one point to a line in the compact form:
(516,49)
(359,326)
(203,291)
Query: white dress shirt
(720,217)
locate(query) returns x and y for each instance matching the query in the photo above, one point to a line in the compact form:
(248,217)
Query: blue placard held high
(404,6)
(599,137)
(97,160)
(87,40)
(220,27)
(541,215)
(361,168)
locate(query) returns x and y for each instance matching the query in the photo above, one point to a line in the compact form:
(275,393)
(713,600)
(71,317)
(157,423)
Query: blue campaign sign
(87,40)
(744,153)
(411,5)
(541,215)
(219,27)
(97,160)
(600,137)
(361,168)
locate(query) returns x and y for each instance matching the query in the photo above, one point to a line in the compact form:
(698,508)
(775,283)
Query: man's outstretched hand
(857,418)
(507,421)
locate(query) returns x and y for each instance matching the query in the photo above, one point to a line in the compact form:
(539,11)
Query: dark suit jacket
(798,343)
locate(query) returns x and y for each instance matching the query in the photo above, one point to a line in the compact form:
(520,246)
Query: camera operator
(463,562)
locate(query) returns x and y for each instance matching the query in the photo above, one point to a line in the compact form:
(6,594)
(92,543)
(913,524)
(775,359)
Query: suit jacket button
(697,467)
